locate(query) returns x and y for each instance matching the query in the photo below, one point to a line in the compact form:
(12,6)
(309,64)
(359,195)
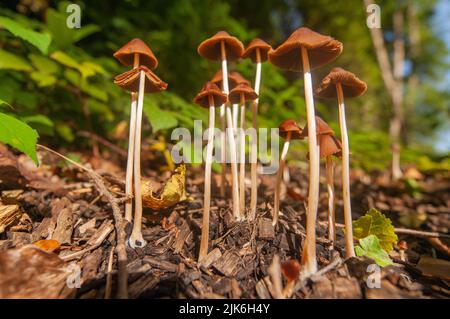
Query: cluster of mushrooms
(303,51)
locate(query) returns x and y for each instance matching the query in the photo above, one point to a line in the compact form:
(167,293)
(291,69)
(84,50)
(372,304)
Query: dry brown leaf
(434,267)
(49,245)
(173,192)
(9,215)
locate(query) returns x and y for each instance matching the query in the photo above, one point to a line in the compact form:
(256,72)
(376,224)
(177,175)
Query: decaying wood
(161,264)
(64,226)
(9,215)
(227,263)
(265,229)
(212,256)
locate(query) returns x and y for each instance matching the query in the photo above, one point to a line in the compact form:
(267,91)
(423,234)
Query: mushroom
(329,145)
(239,95)
(225,47)
(338,83)
(142,80)
(234,78)
(258,51)
(133,53)
(302,51)
(210,97)
(288,130)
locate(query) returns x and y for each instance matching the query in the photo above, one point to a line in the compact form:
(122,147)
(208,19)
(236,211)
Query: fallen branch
(104,142)
(122,291)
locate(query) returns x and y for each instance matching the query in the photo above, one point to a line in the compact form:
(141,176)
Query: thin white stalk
(235,117)
(309,262)
(207,195)
(241,134)
(234,170)
(136,239)
(130,157)
(223,126)
(349,247)
(276,205)
(254,145)
(230,135)
(331,200)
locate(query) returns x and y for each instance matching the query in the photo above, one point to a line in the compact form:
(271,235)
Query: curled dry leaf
(173,192)
(49,245)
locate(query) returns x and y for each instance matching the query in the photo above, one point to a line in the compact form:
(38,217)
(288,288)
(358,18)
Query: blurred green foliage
(59,80)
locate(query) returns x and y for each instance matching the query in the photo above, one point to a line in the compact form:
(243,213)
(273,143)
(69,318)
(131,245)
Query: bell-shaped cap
(257,44)
(211,48)
(234,78)
(126,54)
(329,145)
(130,80)
(322,128)
(352,86)
(322,49)
(244,91)
(292,127)
(210,89)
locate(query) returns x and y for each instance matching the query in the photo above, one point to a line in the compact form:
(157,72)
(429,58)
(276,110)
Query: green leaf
(19,135)
(64,59)
(39,40)
(13,62)
(43,79)
(370,247)
(158,118)
(65,132)
(375,223)
(43,64)
(39,122)
(4,103)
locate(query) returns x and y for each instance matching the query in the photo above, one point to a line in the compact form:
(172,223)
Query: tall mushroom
(329,145)
(142,80)
(225,47)
(302,51)
(258,51)
(289,130)
(210,97)
(338,83)
(134,53)
(239,95)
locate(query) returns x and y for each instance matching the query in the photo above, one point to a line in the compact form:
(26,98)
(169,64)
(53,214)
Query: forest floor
(60,202)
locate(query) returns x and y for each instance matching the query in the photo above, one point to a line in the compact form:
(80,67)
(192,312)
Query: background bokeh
(69,89)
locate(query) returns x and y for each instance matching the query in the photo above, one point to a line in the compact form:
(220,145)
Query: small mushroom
(338,83)
(210,97)
(239,95)
(289,130)
(224,47)
(329,145)
(302,51)
(258,51)
(133,53)
(143,80)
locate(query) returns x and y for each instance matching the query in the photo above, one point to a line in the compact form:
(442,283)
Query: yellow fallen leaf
(49,245)
(173,192)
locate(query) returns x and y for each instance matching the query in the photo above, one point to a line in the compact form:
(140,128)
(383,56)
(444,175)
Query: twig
(104,142)
(122,291)
(108,285)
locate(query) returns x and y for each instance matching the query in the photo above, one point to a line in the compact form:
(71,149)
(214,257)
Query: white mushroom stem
(309,262)
(276,205)
(223,126)
(331,200)
(136,239)
(241,134)
(235,117)
(207,195)
(254,146)
(349,247)
(130,157)
(232,141)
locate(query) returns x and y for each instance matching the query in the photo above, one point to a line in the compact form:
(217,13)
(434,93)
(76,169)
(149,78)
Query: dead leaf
(173,192)
(9,215)
(49,245)
(434,267)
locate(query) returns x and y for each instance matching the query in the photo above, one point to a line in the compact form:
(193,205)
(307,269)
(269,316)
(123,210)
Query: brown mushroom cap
(210,89)
(322,128)
(210,48)
(264,48)
(244,90)
(352,86)
(321,48)
(130,80)
(292,127)
(234,78)
(329,145)
(126,54)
